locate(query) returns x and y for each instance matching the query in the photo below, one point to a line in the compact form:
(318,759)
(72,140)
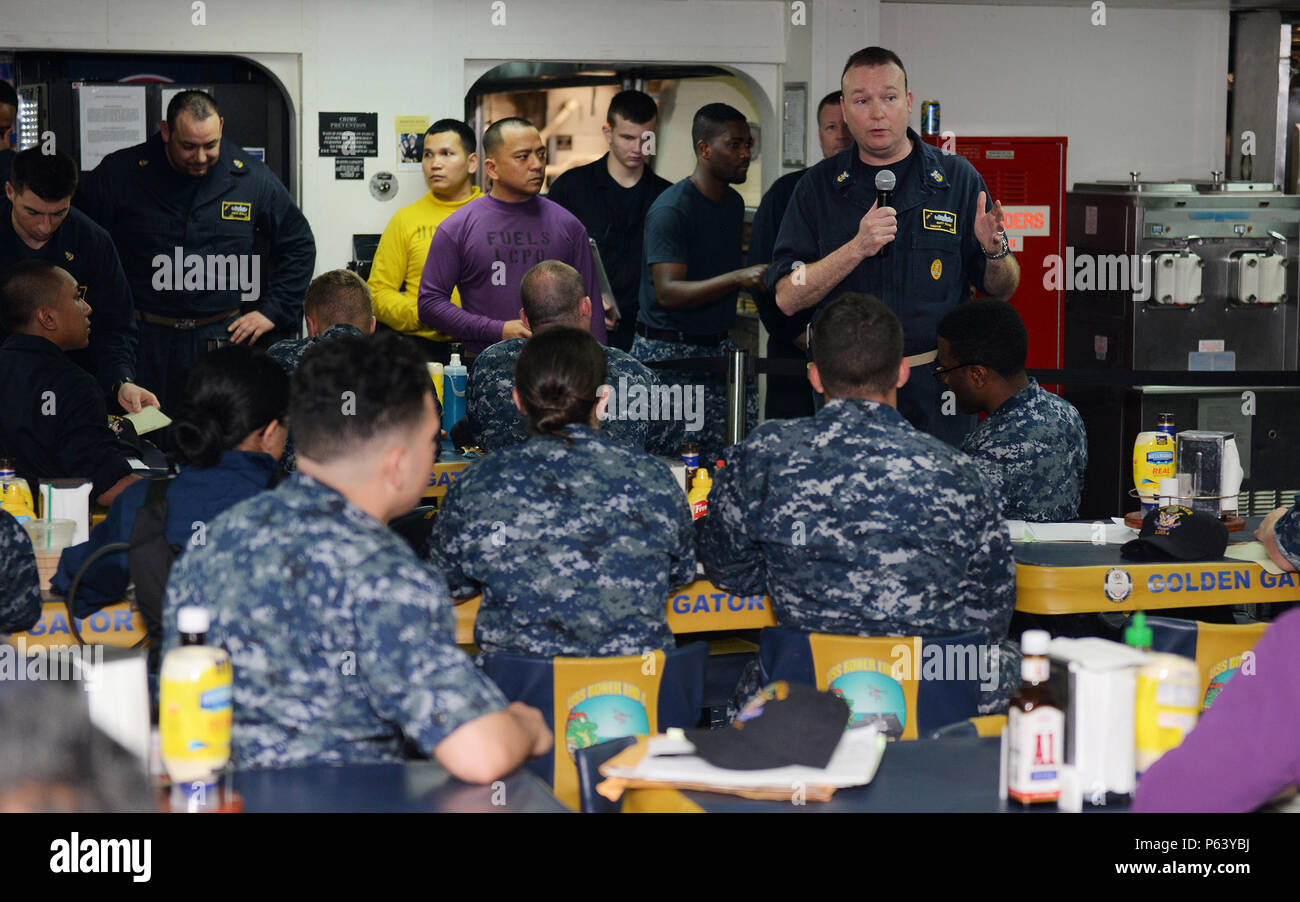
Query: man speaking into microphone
(894,217)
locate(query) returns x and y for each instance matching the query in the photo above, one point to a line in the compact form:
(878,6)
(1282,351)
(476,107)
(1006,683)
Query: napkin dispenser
(1098,681)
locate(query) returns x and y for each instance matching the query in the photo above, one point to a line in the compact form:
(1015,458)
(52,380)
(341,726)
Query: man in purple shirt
(486,247)
(1246,749)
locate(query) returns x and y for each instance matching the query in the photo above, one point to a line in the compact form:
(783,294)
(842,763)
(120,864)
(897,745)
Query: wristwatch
(1006,248)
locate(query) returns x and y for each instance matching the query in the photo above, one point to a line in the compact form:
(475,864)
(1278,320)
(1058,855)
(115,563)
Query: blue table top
(1085,554)
(411,786)
(942,775)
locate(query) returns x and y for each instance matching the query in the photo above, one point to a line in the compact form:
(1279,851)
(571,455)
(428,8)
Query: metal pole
(735,396)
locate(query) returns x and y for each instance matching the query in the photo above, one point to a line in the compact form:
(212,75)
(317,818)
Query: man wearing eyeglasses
(1032,446)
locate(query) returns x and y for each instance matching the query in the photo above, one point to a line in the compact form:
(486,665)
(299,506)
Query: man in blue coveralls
(920,254)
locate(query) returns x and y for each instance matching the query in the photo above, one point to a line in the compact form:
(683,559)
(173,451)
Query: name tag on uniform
(939,221)
(234,209)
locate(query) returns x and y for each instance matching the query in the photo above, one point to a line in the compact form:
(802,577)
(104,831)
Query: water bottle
(455,377)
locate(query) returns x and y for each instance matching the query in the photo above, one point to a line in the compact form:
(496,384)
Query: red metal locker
(1028,176)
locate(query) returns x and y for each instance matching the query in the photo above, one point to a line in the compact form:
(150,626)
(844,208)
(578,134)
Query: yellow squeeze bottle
(194,711)
(1168,689)
(698,497)
(1153,460)
(435,373)
(17,497)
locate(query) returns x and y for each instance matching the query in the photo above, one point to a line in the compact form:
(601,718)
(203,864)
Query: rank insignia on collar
(142,162)
(69,255)
(842,177)
(936,175)
(239,164)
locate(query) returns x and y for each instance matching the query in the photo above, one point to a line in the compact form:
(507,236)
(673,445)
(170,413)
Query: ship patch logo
(939,221)
(936,269)
(236,210)
(1118,585)
(1168,518)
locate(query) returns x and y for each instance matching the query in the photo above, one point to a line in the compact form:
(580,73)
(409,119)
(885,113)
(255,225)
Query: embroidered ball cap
(1178,533)
(784,724)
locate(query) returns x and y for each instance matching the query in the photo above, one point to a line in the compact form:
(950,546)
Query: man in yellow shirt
(450,161)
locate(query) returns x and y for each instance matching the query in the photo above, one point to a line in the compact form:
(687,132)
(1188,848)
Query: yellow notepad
(148,419)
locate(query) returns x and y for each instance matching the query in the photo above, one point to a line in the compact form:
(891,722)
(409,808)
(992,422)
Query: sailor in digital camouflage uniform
(342,640)
(20,592)
(574,541)
(853,521)
(337,304)
(1032,447)
(692,272)
(553,294)
(1280,534)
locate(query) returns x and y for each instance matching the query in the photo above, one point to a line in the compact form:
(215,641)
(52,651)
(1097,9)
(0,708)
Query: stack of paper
(1098,533)
(662,762)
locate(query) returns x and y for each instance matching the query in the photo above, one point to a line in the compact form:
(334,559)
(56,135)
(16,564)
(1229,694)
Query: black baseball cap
(784,724)
(1177,533)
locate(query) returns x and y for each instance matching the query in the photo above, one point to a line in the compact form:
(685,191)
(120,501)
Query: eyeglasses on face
(941,372)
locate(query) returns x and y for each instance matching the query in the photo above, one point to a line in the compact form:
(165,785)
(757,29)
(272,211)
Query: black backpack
(149,560)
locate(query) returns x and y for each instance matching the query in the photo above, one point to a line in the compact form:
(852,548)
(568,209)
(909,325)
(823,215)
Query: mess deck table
(410,786)
(941,775)
(1079,577)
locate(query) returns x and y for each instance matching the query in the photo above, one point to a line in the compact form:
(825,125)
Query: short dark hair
(229,393)
(551,292)
(857,343)
(25,287)
(874,56)
(833,97)
(559,374)
(493,139)
(632,106)
(8,94)
(463,131)
(198,104)
(987,332)
(711,120)
(352,389)
(338,296)
(50,176)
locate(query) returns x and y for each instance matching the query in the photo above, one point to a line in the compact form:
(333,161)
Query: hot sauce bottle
(1035,729)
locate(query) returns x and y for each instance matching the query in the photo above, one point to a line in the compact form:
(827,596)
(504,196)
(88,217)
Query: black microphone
(885,182)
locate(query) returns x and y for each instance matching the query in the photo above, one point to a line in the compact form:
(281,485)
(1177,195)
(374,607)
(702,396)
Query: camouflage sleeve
(415,675)
(731,555)
(990,579)
(1286,532)
(991,469)
(444,549)
(20,591)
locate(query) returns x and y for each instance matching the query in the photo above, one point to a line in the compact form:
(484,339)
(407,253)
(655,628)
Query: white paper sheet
(112,117)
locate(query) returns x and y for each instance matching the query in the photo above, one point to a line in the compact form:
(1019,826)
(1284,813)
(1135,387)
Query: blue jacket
(196,496)
(935,257)
(239,207)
